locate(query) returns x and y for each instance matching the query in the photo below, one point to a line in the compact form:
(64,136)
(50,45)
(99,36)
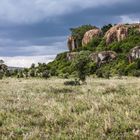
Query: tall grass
(37,109)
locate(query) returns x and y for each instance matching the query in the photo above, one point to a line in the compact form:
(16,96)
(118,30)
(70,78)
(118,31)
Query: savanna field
(39,109)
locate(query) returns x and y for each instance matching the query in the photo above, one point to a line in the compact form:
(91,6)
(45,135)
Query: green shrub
(46,74)
(99,73)
(131,67)
(32,73)
(138,63)
(20,74)
(1,74)
(93,44)
(136,73)
(105,28)
(72,83)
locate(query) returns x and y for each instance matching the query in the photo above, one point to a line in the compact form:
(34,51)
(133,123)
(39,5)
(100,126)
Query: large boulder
(134,54)
(103,57)
(71,43)
(89,35)
(116,33)
(72,55)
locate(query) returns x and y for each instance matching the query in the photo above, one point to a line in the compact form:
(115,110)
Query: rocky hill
(112,49)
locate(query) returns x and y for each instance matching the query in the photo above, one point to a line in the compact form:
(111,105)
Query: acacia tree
(82,67)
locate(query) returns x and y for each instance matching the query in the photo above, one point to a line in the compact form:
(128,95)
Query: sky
(33,31)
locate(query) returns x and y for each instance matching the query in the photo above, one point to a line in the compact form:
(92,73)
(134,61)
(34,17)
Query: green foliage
(46,74)
(1,74)
(32,72)
(99,73)
(92,67)
(8,73)
(136,73)
(20,74)
(93,44)
(81,66)
(125,45)
(105,28)
(133,32)
(33,66)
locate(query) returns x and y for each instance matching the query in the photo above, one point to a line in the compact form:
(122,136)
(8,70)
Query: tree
(105,28)
(32,73)
(46,74)
(81,66)
(33,66)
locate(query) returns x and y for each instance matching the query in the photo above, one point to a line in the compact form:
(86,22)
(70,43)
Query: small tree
(105,28)
(46,74)
(20,74)
(32,73)
(81,66)
(7,73)
(33,66)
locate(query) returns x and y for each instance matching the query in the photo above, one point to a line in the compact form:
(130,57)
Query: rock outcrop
(72,55)
(71,43)
(116,33)
(134,54)
(103,57)
(89,35)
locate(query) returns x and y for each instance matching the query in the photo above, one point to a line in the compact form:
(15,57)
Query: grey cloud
(25,11)
(40,27)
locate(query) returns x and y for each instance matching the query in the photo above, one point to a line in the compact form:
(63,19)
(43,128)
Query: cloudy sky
(34,31)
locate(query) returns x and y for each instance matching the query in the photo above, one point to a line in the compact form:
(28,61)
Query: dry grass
(36,109)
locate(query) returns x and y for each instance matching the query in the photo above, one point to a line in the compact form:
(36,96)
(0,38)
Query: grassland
(37,109)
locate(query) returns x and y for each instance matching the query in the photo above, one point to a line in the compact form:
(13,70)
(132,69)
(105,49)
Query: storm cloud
(40,27)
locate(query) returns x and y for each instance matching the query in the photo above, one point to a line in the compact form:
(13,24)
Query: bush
(136,73)
(91,46)
(1,74)
(7,73)
(66,75)
(20,74)
(72,83)
(32,73)
(105,28)
(138,63)
(107,75)
(46,74)
(99,73)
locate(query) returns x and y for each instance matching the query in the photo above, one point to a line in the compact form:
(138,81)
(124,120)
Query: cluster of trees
(34,71)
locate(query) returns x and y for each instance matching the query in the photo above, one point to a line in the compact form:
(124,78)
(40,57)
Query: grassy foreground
(37,109)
